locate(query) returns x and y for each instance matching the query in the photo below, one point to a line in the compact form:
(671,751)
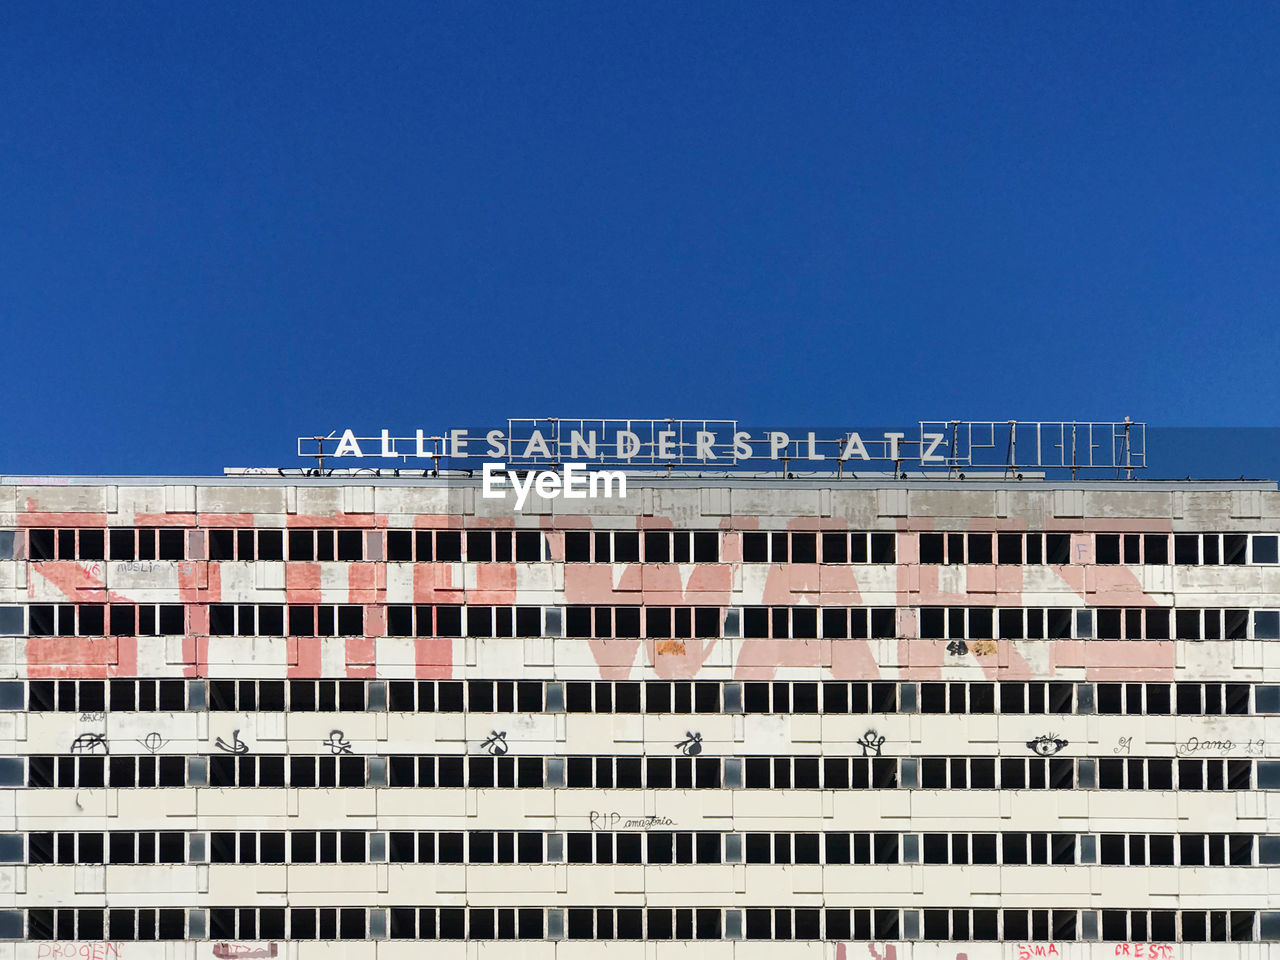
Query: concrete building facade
(725,716)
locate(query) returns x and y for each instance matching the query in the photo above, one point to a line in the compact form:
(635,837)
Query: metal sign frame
(936,446)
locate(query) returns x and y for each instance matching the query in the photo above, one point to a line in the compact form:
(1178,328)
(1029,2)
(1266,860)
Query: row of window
(304,620)
(124,847)
(837,547)
(225,619)
(1104,623)
(127,544)
(145,847)
(1189,549)
(87,923)
(148,695)
(580,546)
(637,923)
(801,622)
(682,622)
(420,546)
(98,620)
(1008,697)
(1010,548)
(644,772)
(654,847)
(650,546)
(1153,549)
(834,848)
(649,696)
(216,771)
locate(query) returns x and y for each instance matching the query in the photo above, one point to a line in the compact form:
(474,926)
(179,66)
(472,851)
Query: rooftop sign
(941,445)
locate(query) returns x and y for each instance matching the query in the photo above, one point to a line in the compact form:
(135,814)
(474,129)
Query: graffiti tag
(100,950)
(612,820)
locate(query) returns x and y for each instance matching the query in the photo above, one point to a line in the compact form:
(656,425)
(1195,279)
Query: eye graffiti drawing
(1046,745)
(152,742)
(691,746)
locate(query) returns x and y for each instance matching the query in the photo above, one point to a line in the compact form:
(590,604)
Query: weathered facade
(752,716)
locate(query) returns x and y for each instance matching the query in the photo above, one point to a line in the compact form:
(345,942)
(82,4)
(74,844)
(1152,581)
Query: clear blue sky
(223,225)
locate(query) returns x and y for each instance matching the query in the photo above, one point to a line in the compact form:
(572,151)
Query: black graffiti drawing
(691,745)
(957,648)
(1046,745)
(871,743)
(337,742)
(235,746)
(152,742)
(89,742)
(496,744)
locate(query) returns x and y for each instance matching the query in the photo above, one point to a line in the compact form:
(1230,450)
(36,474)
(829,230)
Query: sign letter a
(347,446)
(854,448)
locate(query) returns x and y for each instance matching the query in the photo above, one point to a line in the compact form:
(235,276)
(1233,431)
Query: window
(1056,548)
(661,622)
(1186,549)
(1266,625)
(40,545)
(932,548)
(324,620)
(1265,549)
(979,548)
(327,545)
(706,546)
(1107,548)
(827,548)
(605,542)
(91,544)
(979,623)
(246,620)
